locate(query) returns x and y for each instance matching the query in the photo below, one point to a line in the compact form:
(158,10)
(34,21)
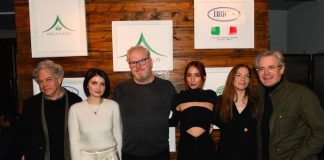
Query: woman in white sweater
(94,124)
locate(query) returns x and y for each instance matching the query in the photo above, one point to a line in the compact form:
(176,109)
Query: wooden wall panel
(99,17)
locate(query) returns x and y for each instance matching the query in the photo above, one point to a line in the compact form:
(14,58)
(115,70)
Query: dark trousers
(196,148)
(165,155)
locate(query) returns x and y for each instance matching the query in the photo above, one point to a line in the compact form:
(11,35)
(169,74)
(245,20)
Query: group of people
(278,120)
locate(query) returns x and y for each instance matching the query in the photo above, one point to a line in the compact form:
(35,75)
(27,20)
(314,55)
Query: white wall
(278,30)
(306,28)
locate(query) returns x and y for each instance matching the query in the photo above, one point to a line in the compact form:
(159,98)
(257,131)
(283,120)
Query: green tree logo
(219,90)
(143,40)
(57,25)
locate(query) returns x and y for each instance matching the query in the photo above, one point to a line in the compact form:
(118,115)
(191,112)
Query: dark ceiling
(7,17)
(284,4)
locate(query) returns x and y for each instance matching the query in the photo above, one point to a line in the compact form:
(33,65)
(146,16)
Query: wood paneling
(99,16)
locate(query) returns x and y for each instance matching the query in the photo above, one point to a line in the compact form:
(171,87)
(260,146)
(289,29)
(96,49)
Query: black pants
(196,148)
(165,155)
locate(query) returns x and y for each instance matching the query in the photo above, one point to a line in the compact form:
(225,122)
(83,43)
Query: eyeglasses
(140,62)
(271,68)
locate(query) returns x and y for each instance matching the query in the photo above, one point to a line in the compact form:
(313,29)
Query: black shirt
(265,130)
(194,116)
(54,113)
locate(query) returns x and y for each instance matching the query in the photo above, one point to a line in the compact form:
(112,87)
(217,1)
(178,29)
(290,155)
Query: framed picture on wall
(154,35)
(223,24)
(58,28)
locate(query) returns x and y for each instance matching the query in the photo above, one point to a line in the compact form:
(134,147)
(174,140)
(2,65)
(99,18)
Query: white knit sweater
(94,132)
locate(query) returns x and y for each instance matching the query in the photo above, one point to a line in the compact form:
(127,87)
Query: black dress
(190,147)
(238,139)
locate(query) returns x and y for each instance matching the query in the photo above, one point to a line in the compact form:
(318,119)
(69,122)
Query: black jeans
(165,155)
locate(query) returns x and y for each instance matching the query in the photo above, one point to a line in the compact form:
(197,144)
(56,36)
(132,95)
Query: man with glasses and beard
(145,104)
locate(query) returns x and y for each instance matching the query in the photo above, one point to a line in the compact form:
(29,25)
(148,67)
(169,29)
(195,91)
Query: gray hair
(277,54)
(49,65)
(140,48)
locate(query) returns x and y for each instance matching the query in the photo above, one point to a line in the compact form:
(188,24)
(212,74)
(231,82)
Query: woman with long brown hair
(236,116)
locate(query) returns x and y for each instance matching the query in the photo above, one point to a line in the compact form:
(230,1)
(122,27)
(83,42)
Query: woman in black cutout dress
(236,116)
(193,108)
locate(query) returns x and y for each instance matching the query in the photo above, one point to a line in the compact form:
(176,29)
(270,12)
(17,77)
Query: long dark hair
(201,68)
(229,93)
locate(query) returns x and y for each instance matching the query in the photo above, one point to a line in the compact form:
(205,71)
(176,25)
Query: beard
(142,77)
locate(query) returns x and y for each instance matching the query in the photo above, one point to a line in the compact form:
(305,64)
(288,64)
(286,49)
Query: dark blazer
(296,123)
(30,130)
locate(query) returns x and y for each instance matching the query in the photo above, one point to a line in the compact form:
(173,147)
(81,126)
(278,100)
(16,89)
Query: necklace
(94,108)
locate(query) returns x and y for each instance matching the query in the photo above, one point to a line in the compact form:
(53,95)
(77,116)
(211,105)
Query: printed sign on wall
(156,36)
(72,84)
(224,24)
(216,78)
(172,139)
(58,28)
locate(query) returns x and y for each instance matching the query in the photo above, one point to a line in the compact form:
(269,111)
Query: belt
(109,154)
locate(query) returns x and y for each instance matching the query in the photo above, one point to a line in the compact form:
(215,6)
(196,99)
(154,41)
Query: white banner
(156,36)
(216,78)
(58,28)
(223,24)
(72,84)
(172,139)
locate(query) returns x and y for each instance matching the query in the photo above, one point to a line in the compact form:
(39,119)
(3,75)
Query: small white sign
(216,78)
(223,24)
(172,139)
(58,28)
(72,84)
(156,36)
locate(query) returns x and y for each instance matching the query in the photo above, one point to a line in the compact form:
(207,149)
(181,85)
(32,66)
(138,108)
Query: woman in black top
(193,108)
(236,116)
